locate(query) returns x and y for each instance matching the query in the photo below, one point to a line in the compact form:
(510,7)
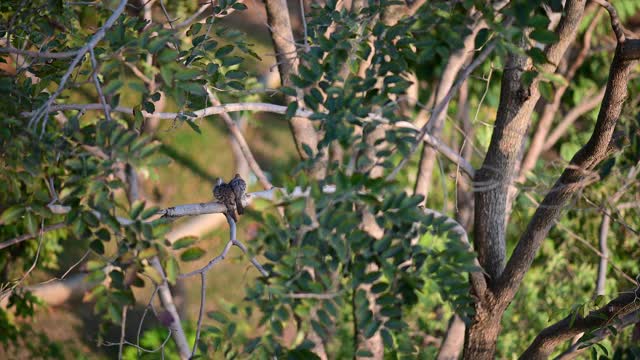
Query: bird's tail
(239,205)
(231,211)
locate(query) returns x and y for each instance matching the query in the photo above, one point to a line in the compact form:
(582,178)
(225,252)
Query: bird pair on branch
(231,195)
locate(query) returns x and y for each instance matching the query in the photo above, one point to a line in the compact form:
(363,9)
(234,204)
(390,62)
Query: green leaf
(172,269)
(136,209)
(217,316)
(184,242)
(149,212)
(231,60)
(225,50)
(387,338)
(112,86)
(11,214)
(239,6)
(292,108)
(97,246)
(147,253)
(538,56)
(187,74)
(31,223)
(546,90)
(544,36)
(192,254)
(194,126)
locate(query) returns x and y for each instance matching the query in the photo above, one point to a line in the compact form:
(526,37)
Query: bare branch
(579,347)
(39,54)
(618,30)
(42,111)
(279,25)
(551,337)
(212,110)
(167,301)
(193,17)
(585,106)
(122,330)
(441,106)
(448,152)
(435,124)
(242,143)
(203,292)
(453,341)
(96,82)
(25,237)
(325,296)
(232,241)
(571,180)
(604,250)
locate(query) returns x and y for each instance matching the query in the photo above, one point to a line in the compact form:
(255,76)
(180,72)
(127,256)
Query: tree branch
(279,25)
(441,106)
(579,347)
(25,237)
(80,54)
(242,143)
(167,301)
(550,109)
(39,54)
(211,110)
(571,180)
(554,335)
(454,64)
(517,102)
(585,106)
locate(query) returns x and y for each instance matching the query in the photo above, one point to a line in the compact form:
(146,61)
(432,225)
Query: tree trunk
(482,336)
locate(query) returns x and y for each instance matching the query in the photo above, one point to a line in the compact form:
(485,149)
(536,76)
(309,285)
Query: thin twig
(239,138)
(618,30)
(122,330)
(193,17)
(203,291)
(325,296)
(96,82)
(602,266)
(39,54)
(232,241)
(443,104)
(25,237)
(41,112)
(10,290)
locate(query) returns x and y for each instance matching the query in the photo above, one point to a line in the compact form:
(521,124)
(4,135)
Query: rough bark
(550,338)
(455,63)
(517,102)
(550,109)
(480,339)
(492,181)
(453,341)
(287,60)
(586,159)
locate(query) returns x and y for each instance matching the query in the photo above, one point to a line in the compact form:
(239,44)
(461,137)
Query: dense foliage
(365,260)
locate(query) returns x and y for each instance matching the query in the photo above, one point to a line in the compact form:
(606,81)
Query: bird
(224,193)
(239,186)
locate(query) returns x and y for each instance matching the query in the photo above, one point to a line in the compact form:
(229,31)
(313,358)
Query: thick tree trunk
(482,336)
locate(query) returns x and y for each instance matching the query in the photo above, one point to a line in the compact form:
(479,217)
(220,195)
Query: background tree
(352,252)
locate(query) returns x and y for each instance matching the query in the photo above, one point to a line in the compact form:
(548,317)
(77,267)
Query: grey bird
(239,186)
(224,193)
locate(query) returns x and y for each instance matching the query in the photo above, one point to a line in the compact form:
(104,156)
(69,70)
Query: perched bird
(224,193)
(239,187)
